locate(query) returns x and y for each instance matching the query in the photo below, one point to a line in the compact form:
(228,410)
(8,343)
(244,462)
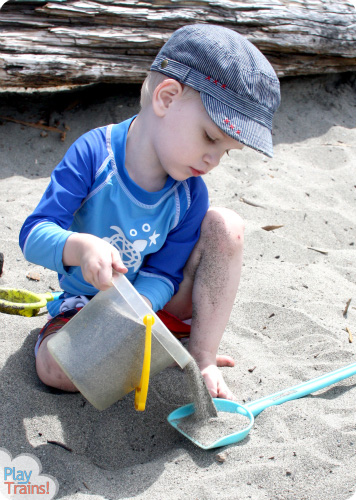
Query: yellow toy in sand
(24,302)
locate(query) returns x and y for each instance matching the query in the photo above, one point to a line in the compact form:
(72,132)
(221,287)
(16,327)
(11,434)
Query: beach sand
(287,325)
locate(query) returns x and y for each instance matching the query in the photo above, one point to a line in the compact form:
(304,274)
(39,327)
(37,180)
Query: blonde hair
(152,80)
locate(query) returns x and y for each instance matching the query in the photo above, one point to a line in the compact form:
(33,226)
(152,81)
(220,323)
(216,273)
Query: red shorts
(176,326)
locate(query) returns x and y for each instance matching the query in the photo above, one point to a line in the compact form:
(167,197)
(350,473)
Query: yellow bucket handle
(142,389)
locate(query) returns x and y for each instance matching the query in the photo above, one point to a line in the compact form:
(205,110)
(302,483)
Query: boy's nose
(211,160)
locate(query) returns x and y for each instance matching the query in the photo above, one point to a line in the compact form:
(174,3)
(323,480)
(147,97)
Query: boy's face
(187,142)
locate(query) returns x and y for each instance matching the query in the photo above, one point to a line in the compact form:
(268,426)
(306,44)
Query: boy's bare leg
(49,371)
(208,290)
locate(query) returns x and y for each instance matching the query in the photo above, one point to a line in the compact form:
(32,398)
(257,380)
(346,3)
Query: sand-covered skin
(287,325)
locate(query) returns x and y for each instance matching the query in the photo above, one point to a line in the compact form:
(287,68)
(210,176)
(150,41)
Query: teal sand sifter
(254,408)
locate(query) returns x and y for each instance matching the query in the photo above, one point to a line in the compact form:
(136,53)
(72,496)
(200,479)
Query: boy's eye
(208,138)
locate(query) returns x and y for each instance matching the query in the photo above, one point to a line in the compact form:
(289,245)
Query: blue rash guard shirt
(91,192)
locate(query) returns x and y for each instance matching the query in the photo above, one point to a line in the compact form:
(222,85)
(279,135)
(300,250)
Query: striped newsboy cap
(237,85)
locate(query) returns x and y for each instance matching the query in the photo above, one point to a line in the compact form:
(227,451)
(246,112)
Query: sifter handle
(298,391)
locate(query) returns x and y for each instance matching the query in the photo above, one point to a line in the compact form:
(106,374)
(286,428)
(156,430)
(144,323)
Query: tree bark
(78,42)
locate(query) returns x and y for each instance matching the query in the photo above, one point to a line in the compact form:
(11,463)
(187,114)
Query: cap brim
(239,126)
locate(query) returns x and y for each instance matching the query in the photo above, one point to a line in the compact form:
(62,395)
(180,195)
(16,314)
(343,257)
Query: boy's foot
(224,360)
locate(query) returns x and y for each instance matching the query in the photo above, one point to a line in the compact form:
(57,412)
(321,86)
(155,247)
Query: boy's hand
(215,383)
(96,257)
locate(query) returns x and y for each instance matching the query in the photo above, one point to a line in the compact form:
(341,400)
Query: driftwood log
(78,42)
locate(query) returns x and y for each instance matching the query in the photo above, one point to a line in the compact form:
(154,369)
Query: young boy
(130,198)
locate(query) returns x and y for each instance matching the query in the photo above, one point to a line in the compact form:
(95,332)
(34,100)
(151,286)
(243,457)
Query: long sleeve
(45,231)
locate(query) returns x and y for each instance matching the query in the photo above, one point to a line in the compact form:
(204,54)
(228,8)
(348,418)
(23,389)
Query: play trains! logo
(21,478)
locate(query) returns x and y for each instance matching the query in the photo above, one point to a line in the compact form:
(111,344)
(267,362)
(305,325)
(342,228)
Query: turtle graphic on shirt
(130,252)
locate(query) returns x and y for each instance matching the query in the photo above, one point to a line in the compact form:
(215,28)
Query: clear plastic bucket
(101,348)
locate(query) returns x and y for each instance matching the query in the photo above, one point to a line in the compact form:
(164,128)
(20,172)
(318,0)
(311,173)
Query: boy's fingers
(117,263)
(103,278)
(119,267)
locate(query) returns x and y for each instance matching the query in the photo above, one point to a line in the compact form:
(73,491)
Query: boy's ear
(164,94)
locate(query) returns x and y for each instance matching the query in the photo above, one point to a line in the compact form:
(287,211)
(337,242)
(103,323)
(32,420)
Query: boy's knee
(225,227)
(49,372)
